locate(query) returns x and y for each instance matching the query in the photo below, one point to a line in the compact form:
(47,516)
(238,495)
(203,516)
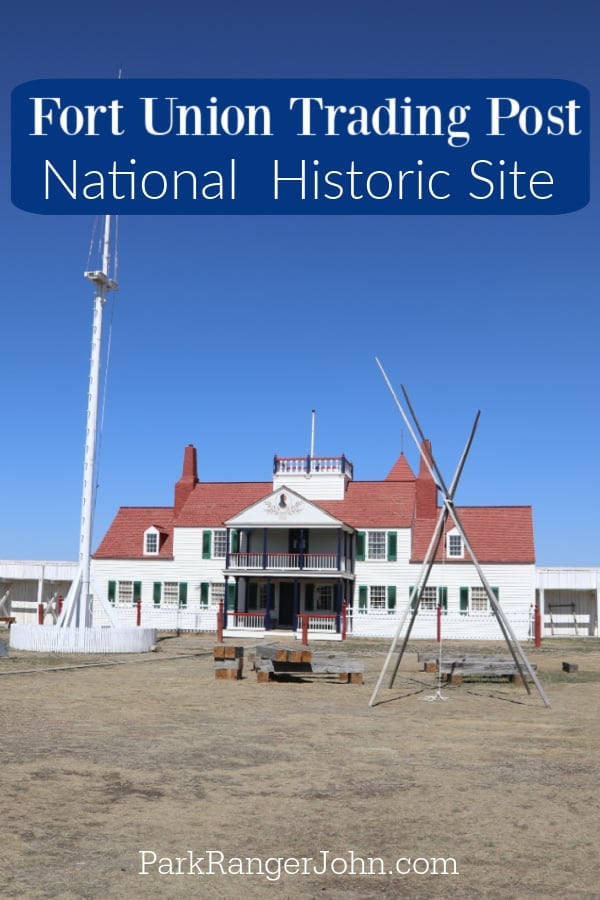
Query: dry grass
(151,752)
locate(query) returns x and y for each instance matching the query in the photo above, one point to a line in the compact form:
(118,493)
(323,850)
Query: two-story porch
(287,559)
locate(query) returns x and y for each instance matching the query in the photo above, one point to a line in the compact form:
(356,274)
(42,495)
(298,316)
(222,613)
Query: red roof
(497,534)
(125,537)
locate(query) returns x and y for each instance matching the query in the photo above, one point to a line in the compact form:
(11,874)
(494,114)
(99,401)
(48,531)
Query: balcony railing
(316,562)
(249,620)
(312,465)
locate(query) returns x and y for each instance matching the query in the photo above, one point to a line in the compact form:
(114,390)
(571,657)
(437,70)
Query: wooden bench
(272,661)
(455,668)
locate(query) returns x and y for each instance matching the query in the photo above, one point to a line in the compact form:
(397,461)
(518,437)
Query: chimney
(426,489)
(189,478)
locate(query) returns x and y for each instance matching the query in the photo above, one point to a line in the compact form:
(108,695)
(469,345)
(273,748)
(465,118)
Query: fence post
(537,626)
(305,631)
(220,622)
(138,611)
(59,604)
(40,613)
(344,619)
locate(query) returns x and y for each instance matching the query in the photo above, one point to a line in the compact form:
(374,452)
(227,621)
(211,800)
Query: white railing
(284,561)
(249,621)
(304,465)
(318,622)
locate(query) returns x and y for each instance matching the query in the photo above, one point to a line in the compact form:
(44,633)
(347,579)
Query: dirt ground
(487,794)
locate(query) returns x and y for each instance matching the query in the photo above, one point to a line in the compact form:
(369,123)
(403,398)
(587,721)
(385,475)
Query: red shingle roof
(125,537)
(498,534)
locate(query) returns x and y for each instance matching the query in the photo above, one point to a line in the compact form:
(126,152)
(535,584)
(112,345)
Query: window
(475,601)
(479,600)
(125,592)
(170,595)
(220,543)
(376,545)
(324,597)
(151,545)
(217,593)
(454,544)
(377,596)
(429,598)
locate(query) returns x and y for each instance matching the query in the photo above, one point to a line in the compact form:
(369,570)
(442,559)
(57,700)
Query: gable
(283,507)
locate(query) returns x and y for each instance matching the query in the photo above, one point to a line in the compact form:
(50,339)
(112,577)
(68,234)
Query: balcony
(312,465)
(288,562)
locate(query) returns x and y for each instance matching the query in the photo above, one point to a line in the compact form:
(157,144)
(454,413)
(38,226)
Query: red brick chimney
(426,490)
(189,478)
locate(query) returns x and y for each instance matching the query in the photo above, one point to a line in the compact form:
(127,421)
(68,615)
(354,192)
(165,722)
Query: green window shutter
(496,593)
(391,598)
(464,601)
(231,596)
(253,595)
(112,590)
(363,598)
(137,591)
(414,599)
(156,593)
(234,541)
(309,598)
(206,544)
(204,592)
(360,545)
(392,546)
(443,598)
(183,594)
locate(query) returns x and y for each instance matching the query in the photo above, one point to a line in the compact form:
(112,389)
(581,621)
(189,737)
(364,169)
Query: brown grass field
(104,757)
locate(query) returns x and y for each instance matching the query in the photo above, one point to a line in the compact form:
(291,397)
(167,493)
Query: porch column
(338,606)
(268,607)
(225,602)
(264,548)
(296,604)
(339,550)
(541,604)
(302,545)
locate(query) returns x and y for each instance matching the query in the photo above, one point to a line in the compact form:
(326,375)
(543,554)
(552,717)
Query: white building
(314,542)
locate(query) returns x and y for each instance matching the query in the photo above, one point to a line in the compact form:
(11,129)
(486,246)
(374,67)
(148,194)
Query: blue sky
(228,330)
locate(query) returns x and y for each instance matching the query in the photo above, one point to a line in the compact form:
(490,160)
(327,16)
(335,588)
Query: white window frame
(429,599)
(170,594)
(219,542)
(479,602)
(217,593)
(151,533)
(378,596)
(455,547)
(124,593)
(377,550)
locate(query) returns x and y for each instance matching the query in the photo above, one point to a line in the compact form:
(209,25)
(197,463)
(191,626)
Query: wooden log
(228,674)
(272,651)
(237,664)
(570,667)
(226,651)
(355,678)
(263,677)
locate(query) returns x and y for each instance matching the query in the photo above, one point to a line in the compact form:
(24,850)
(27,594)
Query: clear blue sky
(227,331)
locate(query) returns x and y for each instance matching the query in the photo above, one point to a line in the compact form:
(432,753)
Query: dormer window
(151,542)
(454,545)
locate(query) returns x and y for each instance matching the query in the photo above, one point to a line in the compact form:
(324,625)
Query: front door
(286,604)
